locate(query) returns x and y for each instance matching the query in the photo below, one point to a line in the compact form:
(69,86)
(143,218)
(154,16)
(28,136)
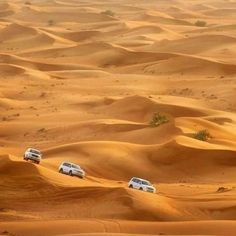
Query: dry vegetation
(158,119)
(202,135)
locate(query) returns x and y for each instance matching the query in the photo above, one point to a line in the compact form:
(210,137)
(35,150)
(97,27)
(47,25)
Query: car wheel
(70,173)
(141,188)
(130,186)
(61,171)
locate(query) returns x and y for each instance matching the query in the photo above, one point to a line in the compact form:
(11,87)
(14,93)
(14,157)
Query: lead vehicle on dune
(33,155)
(71,169)
(141,184)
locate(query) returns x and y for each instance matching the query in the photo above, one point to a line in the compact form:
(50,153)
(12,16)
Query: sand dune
(82,80)
(170,228)
(95,54)
(188,45)
(82,35)
(160,19)
(16,37)
(41,15)
(139,62)
(221,12)
(16,31)
(37,65)
(6,12)
(182,13)
(151,32)
(11,70)
(146,30)
(158,163)
(202,7)
(141,109)
(183,65)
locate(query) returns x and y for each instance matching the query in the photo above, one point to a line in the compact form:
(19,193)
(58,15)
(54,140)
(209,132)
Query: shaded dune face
(84,82)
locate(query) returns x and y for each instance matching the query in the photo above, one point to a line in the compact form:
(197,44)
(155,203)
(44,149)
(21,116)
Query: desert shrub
(4,118)
(27,3)
(5,232)
(158,119)
(222,190)
(202,135)
(200,23)
(51,22)
(108,13)
(42,130)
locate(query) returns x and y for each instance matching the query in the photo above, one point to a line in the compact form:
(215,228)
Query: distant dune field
(82,80)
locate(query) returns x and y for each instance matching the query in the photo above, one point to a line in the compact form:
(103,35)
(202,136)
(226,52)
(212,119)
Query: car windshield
(76,167)
(35,151)
(145,182)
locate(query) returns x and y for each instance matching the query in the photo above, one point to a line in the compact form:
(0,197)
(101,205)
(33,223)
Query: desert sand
(81,79)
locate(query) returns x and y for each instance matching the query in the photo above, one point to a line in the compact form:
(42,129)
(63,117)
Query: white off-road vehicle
(71,169)
(33,155)
(141,184)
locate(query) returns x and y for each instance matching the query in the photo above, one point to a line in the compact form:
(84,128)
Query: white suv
(141,184)
(33,155)
(71,169)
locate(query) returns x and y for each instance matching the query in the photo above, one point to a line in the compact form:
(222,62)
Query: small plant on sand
(5,232)
(222,190)
(200,23)
(51,22)
(108,13)
(158,119)
(42,130)
(202,135)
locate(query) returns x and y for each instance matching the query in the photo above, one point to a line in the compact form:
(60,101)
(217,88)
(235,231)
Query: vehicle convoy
(141,184)
(71,169)
(33,155)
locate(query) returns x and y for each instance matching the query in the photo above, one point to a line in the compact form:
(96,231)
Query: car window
(34,151)
(76,166)
(134,180)
(66,164)
(146,183)
(137,181)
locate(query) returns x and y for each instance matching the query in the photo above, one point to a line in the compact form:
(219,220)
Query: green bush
(202,135)
(200,23)
(158,119)
(108,13)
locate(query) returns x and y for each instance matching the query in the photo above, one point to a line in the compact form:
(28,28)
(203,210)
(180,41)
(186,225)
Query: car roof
(140,179)
(69,163)
(33,149)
